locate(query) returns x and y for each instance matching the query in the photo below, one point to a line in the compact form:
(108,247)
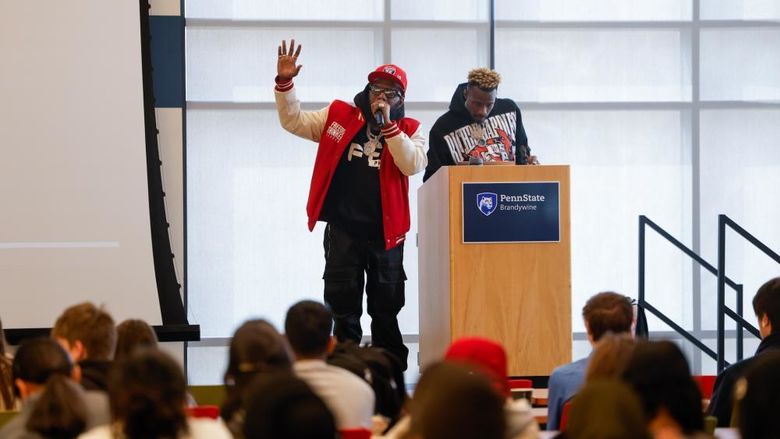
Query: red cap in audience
(485,354)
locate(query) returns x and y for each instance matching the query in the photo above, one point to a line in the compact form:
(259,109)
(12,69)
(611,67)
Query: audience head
(256,348)
(279,405)
(607,312)
(380,369)
(452,400)
(610,357)
(7,399)
(484,354)
(308,326)
(758,398)
(659,374)
(147,392)
(131,335)
(36,361)
(42,367)
(766,304)
(606,409)
(2,340)
(87,332)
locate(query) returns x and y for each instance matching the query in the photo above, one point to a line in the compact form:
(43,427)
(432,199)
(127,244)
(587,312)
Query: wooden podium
(518,293)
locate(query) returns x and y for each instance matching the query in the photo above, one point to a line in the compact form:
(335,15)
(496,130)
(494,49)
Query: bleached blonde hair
(484,78)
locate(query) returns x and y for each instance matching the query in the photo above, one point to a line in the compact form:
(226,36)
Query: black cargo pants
(352,262)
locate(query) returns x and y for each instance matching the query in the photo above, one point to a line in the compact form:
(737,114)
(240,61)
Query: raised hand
(285,65)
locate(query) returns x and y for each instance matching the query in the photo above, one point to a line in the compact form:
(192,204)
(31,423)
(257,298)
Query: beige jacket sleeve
(306,124)
(408,152)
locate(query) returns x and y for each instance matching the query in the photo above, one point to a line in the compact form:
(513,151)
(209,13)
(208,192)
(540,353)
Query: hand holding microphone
(381,111)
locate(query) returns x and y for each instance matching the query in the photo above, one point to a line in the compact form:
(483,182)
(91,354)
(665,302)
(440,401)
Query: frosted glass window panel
(437,60)
(740,64)
(623,164)
(237,64)
(206,365)
(594,65)
(450,10)
(593,10)
(341,10)
(740,9)
(710,366)
(249,250)
(408,319)
(740,177)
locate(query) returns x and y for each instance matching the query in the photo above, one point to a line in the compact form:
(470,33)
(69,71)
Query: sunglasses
(389,93)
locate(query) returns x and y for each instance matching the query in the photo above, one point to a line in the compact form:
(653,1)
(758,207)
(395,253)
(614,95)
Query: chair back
(706,384)
(564,415)
(520,383)
(203,411)
(355,433)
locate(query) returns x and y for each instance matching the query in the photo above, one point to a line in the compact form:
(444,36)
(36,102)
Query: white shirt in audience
(199,429)
(349,398)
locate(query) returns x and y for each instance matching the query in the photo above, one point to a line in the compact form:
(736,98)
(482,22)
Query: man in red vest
(360,188)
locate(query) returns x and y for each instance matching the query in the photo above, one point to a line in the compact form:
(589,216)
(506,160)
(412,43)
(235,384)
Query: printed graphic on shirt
(372,150)
(492,140)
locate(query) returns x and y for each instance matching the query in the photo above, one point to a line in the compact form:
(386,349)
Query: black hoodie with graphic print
(455,137)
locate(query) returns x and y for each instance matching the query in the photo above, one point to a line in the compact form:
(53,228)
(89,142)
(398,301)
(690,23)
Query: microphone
(379,118)
(475,161)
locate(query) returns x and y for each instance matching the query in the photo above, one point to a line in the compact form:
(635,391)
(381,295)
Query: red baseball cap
(485,354)
(391,72)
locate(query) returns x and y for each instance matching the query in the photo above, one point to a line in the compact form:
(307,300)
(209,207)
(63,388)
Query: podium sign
(511,212)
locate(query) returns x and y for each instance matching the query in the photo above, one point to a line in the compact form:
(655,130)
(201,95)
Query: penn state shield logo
(487,202)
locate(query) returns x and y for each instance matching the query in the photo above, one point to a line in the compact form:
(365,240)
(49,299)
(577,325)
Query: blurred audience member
(89,335)
(489,357)
(766,304)
(7,399)
(605,409)
(758,398)
(148,397)
(54,406)
(256,349)
(605,312)
(610,357)
(279,405)
(659,374)
(132,334)
(308,327)
(383,372)
(454,401)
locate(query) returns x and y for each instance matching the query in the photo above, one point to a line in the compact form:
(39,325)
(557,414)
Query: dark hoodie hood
(458,102)
(362,102)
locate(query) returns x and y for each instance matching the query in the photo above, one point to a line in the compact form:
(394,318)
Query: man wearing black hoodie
(766,304)
(360,188)
(478,127)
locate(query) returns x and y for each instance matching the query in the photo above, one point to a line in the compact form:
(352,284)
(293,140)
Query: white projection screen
(74,210)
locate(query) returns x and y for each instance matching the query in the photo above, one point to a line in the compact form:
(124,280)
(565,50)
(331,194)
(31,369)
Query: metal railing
(722,310)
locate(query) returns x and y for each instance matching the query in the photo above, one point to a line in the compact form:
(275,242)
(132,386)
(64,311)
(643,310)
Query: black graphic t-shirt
(492,140)
(353,201)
